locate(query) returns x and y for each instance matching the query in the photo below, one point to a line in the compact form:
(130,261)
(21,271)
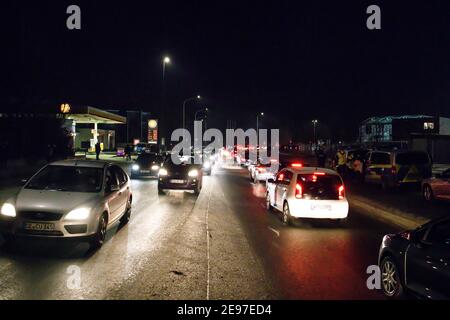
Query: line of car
(82,199)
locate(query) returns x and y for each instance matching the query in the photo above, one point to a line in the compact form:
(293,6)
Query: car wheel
(127,215)
(428,193)
(390,279)
(286,218)
(99,237)
(161,191)
(268,205)
(197,190)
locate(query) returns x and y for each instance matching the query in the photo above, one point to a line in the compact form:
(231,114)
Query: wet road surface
(220,245)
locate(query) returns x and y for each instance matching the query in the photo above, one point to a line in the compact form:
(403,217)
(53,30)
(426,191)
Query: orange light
(296,165)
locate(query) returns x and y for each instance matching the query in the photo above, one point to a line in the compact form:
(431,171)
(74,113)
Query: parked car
(437,187)
(69,199)
(184,175)
(417,261)
(394,168)
(146,164)
(316,193)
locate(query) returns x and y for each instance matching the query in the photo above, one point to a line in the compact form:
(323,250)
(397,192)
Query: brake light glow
(393,170)
(341,192)
(296,165)
(319,173)
(298,191)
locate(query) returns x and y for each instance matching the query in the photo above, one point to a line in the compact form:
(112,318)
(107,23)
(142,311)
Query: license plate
(39,226)
(321,207)
(145,171)
(177,181)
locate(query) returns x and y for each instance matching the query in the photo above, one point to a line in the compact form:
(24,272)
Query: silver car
(69,199)
(437,187)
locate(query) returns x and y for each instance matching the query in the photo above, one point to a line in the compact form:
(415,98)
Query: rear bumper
(319,209)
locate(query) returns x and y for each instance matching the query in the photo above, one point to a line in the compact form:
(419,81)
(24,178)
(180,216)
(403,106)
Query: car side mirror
(114,188)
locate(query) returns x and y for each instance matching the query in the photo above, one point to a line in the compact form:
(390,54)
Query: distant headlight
(206,164)
(135,167)
(155,167)
(8,210)
(193,173)
(78,214)
(163,172)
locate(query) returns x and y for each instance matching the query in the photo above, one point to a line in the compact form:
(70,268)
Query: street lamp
(184,107)
(261,114)
(166,60)
(314,122)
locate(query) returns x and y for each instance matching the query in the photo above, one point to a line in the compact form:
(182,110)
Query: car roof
(311,170)
(81,163)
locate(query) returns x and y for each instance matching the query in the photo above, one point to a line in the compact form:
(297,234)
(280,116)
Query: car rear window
(409,158)
(320,187)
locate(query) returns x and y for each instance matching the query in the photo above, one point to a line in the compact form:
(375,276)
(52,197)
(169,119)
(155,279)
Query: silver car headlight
(8,210)
(163,172)
(135,167)
(193,173)
(78,214)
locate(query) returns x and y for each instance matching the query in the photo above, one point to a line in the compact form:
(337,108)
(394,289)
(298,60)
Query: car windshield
(67,178)
(320,187)
(410,158)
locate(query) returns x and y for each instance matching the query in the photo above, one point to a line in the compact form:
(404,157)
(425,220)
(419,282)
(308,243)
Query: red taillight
(319,173)
(296,165)
(298,191)
(341,192)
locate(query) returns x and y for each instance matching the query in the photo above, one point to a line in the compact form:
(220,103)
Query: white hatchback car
(307,193)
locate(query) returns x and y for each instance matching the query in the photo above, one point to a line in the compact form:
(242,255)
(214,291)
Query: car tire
(161,191)
(428,193)
(127,215)
(99,238)
(391,283)
(286,215)
(197,190)
(268,205)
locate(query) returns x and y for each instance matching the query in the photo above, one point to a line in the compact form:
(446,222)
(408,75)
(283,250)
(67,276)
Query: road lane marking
(208,247)
(274,231)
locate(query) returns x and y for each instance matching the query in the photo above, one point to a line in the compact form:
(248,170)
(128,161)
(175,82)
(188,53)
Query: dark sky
(294,60)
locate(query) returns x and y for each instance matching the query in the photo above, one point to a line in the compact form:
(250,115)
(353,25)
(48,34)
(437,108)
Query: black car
(146,165)
(180,176)
(417,261)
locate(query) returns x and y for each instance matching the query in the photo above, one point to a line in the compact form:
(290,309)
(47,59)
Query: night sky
(293,60)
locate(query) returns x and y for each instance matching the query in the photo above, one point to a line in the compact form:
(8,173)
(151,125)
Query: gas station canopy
(86,114)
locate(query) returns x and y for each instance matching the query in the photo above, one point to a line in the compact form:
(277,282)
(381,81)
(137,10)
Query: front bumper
(144,173)
(167,183)
(61,228)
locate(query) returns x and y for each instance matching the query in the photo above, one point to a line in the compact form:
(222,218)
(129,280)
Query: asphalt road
(220,245)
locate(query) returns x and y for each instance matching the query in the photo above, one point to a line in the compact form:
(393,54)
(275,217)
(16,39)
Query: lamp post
(314,122)
(257,127)
(184,108)
(165,61)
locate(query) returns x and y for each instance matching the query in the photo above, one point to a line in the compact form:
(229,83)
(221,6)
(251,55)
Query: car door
(278,180)
(123,192)
(112,189)
(428,262)
(282,187)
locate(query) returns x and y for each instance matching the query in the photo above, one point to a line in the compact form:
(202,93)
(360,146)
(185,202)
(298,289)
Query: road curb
(403,220)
